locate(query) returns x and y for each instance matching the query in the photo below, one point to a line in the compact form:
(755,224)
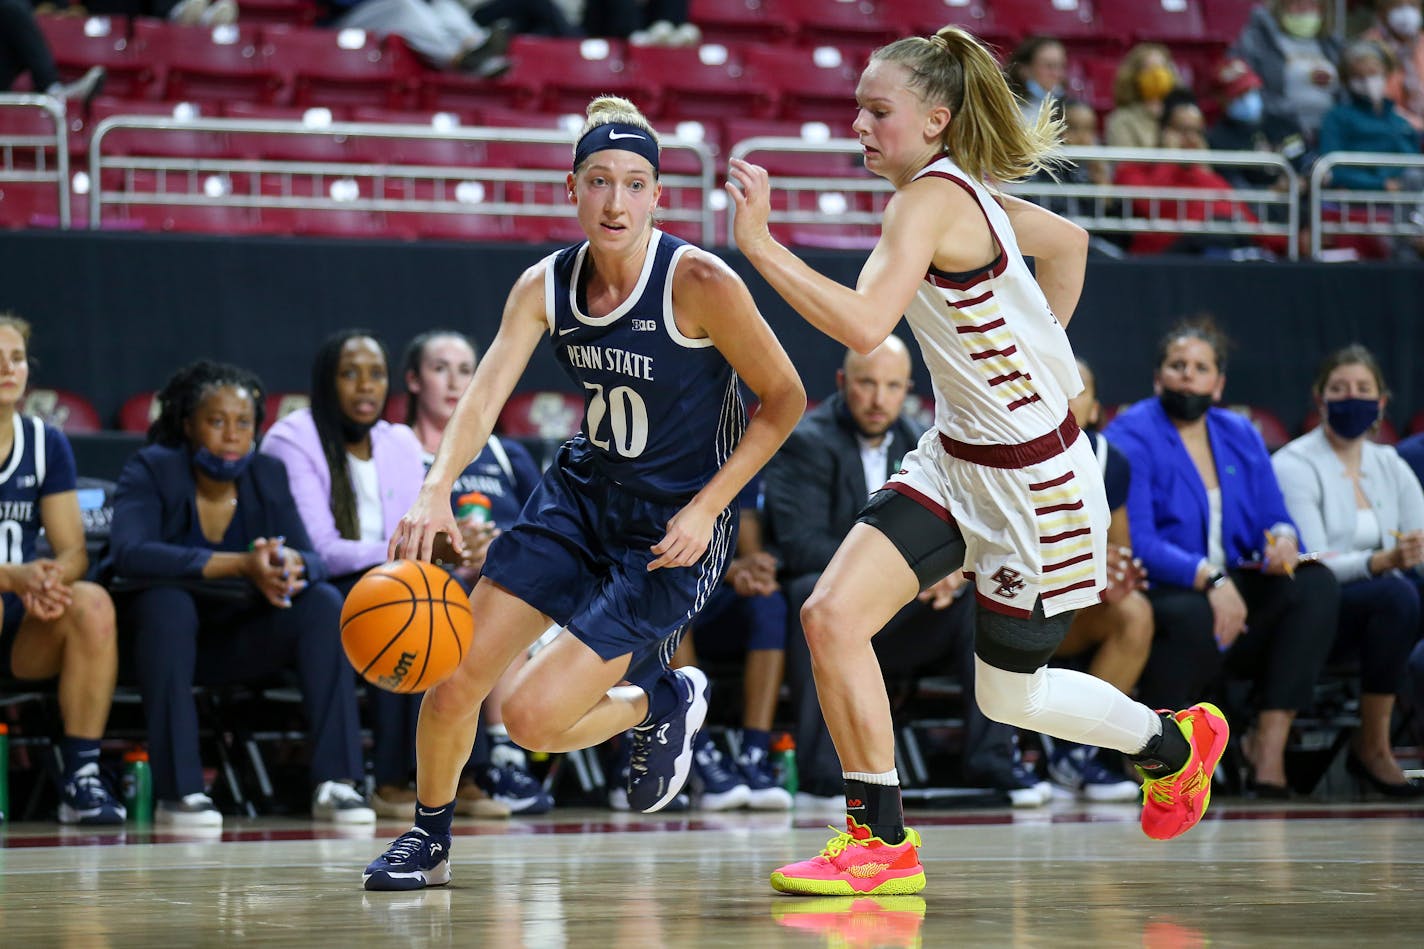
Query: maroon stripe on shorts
(990,353)
(991,604)
(1061,479)
(1055,538)
(1050,567)
(1035,452)
(923,500)
(1081,585)
(1052,508)
(1020,403)
(981,328)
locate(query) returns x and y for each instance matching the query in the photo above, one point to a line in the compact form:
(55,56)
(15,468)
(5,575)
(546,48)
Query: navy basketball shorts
(579,553)
(9,626)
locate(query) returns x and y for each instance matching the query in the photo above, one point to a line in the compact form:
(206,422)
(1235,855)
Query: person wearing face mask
(1230,595)
(216,582)
(1290,45)
(1143,81)
(1036,70)
(1359,504)
(1245,127)
(353,474)
(1367,121)
(1397,29)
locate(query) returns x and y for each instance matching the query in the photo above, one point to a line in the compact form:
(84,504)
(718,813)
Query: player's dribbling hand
(429,516)
(749,187)
(688,534)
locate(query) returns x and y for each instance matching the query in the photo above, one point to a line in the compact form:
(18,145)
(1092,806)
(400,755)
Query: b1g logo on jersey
(1010,582)
(644,326)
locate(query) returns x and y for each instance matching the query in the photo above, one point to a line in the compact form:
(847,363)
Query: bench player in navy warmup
(633,525)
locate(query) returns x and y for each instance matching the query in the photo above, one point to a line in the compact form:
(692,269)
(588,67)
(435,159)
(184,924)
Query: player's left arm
(59,513)
(1059,249)
(711,301)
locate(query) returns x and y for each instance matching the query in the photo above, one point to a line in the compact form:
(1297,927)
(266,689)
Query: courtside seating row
(550,414)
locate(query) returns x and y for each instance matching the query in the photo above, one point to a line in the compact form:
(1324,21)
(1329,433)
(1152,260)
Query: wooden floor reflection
(1303,875)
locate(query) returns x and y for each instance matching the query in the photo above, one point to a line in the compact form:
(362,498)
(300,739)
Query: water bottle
(138,787)
(473,508)
(4,771)
(783,757)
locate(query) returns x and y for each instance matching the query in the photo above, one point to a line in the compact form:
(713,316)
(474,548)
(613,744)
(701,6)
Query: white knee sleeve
(1065,704)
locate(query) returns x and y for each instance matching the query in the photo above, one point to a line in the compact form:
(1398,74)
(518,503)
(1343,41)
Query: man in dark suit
(815,486)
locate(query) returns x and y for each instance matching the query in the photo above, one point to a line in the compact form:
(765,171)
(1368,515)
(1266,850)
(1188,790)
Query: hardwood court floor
(1298,875)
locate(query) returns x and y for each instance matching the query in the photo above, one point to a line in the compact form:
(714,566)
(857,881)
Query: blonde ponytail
(986,135)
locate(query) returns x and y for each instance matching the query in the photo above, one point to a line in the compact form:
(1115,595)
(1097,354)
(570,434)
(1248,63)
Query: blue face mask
(219,468)
(1351,418)
(1246,108)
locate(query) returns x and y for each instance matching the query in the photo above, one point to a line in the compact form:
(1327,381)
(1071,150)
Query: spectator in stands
(1360,506)
(353,475)
(1143,81)
(23,49)
(745,619)
(217,582)
(1115,635)
(1367,121)
(198,12)
(839,454)
(1290,45)
(641,22)
(437,368)
(1245,127)
(1082,129)
(1397,30)
(52,623)
(1183,128)
(441,31)
(1229,593)
(536,17)
(1036,71)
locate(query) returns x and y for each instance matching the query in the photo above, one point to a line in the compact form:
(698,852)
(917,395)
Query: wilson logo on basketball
(1009,581)
(398,674)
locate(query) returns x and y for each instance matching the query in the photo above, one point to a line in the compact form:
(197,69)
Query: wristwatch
(1215,579)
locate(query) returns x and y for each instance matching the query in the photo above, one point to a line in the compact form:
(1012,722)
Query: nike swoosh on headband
(613,136)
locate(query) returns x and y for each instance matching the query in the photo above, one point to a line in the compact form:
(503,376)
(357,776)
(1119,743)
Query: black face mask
(1184,406)
(353,432)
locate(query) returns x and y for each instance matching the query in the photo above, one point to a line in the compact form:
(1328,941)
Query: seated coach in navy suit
(1229,593)
(216,582)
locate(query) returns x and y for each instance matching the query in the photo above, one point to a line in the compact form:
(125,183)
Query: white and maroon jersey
(1000,361)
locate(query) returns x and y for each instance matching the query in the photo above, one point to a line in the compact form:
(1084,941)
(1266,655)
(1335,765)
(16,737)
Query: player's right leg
(504,627)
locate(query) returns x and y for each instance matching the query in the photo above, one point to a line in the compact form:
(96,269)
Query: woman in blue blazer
(1222,553)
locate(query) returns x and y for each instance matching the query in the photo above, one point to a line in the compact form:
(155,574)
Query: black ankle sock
(876,806)
(435,821)
(1166,753)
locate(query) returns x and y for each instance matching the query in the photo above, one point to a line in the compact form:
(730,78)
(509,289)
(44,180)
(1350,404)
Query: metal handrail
(701,183)
(1397,200)
(53,107)
(1263,198)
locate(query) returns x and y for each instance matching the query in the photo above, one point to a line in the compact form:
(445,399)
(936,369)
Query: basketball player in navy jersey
(53,623)
(633,525)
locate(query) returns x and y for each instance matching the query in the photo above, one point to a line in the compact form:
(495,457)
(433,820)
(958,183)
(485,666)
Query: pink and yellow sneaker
(1172,805)
(856,863)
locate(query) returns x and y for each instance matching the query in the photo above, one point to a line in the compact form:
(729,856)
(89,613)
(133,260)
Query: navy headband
(630,138)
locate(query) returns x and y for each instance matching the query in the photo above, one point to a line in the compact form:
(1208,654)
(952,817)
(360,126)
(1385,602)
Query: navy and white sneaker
(763,793)
(661,757)
(1077,771)
(717,787)
(413,861)
(516,789)
(85,799)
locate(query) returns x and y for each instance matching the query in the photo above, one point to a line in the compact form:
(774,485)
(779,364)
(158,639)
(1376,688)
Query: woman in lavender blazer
(350,517)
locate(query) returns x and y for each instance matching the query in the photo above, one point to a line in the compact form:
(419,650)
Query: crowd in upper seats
(1234,575)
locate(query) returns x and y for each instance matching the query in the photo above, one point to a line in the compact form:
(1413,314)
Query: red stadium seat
(548,415)
(923,17)
(197,218)
(1225,19)
(179,143)
(285,113)
(1273,431)
(1067,20)
(1158,21)
(476,228)
(207,64)
(740,21)
(288,12)
(65,410)
(814,84)
(138,412)
(25,204)
(705,82)
(337,67)
(562,75)
(1416,424)
(79,43)
(809,164)
(279,404)
(837,22)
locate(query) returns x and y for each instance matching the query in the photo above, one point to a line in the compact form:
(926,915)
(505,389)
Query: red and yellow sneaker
(856,922)
(1172,805)
(856,863)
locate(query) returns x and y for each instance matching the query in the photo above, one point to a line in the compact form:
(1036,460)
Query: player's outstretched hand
(430,516)
(749,187)
(688,534)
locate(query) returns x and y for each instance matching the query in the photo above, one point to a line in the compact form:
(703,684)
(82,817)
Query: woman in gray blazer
(1361,507)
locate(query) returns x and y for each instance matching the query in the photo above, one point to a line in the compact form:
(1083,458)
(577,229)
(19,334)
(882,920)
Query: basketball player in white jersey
(1004,485)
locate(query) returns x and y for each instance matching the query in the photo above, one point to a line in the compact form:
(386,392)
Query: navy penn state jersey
(41,463)
(662,412)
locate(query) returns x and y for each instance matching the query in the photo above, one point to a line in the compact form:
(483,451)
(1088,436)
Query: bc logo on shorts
(1010,582)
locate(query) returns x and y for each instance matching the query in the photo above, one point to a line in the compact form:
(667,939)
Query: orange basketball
(406,625)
